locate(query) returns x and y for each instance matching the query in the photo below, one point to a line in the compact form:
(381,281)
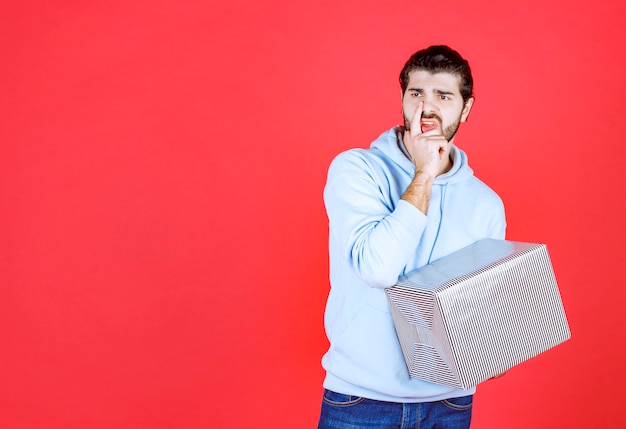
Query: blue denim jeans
(341,411)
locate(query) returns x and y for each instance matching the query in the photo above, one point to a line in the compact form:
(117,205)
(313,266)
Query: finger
(498,375)
(436,141)
(416,127)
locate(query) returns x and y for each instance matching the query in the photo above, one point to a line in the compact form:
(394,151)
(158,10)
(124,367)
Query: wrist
(423,178)
(418,191)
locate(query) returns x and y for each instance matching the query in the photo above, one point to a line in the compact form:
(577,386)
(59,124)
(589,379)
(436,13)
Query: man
(409,199)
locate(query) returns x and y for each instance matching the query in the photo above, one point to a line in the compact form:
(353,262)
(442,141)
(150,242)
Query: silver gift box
(478,312)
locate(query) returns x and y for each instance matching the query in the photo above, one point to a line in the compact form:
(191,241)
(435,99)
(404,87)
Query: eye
(444,97)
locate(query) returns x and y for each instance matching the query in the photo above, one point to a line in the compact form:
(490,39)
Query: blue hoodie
(375,237)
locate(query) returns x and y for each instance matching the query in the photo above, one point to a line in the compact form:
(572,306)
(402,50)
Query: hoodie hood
(391,145)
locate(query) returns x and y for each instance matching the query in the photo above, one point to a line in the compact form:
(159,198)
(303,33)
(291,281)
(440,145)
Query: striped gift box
(478,312)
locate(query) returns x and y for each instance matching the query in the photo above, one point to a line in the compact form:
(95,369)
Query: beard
(448,132)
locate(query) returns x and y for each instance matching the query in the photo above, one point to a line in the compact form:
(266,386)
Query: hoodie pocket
(368,353)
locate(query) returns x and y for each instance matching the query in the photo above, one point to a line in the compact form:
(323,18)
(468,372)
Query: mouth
(428,124)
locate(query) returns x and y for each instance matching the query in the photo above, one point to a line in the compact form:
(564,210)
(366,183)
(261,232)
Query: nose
(430,104)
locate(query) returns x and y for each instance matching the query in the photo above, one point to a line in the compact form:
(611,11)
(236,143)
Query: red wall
(163,256)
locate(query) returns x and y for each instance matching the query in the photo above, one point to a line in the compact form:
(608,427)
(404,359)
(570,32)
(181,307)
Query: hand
(425,148)
(498,375)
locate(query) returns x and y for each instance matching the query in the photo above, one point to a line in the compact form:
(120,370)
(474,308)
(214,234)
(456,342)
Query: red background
(163,259)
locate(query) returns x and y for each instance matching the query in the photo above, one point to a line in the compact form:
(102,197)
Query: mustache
(432,116)
(425,115)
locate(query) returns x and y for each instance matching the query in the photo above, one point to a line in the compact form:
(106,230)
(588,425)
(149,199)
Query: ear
(467,108)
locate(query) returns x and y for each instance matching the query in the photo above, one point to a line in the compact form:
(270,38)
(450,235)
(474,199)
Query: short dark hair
(440,59)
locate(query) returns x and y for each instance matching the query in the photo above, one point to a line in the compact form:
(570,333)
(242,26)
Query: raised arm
(426,150)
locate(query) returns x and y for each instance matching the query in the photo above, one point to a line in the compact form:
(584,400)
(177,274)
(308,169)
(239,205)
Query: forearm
(418,191)
(375,235)
(379,251)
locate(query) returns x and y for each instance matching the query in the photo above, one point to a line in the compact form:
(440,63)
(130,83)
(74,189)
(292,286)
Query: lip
(428,124)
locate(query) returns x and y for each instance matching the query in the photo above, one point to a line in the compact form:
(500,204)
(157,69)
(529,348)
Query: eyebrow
(437,91)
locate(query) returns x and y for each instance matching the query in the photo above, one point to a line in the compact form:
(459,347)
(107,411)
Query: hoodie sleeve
(498,222)
(376,235)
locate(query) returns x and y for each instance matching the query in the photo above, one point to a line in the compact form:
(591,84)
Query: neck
(445,165)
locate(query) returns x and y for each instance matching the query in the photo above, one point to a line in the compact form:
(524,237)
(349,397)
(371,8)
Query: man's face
(444,108)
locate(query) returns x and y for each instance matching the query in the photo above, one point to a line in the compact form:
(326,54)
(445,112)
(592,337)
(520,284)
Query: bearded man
(409,199)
